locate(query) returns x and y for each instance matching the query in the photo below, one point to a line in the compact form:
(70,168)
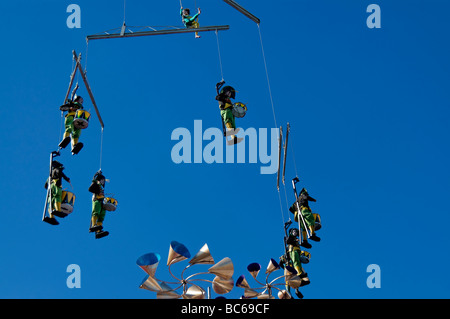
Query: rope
(267,76)
(273,111)
(85,65)
(101,149)
(61,126)
(218,50)
(125,7)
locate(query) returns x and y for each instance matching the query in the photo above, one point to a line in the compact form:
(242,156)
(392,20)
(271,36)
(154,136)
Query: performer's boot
(230,132)
(313,234)
(65,141)
(58,212)
(303,275)
(100,233)
(304,242)
(76,146)
(51,219)
(95,226)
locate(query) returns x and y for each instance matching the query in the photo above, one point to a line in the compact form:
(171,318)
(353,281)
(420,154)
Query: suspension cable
(267,76)
(218,50)
(101,148)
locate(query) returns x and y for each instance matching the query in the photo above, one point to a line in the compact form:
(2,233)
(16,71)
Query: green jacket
(187,20)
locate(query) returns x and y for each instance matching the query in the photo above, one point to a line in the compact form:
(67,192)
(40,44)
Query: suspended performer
(224,96)
(55,198)
(293,257)
(72,133)
(303,201)
(188,21)
(98,210)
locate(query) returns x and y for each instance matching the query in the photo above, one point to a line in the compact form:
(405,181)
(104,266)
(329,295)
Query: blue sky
(369,115)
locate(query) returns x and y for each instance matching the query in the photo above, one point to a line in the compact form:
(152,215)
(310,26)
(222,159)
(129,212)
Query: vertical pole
(288,128)
(280,141)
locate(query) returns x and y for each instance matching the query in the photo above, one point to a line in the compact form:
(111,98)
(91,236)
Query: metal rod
(49,180)
(288,128)
(157,32)
(72,77)
(280,141)
(242,10)
(88,88)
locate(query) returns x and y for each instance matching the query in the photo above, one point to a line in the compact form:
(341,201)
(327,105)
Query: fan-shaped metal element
(194,292)
(241,282)
(177,252)
(202,257)
(149,262)
(222,286)
(283,294)
(254,269)
(151,284)
(272,266)
(223,268)
(250,293)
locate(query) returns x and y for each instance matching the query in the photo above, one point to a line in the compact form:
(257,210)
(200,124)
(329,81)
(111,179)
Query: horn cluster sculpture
(290,278)
(221,284)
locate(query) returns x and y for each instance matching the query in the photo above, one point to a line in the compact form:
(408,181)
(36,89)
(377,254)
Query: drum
(67,202)
(110,204)
(239,109)
(305,257)
(81,120)
(318,223)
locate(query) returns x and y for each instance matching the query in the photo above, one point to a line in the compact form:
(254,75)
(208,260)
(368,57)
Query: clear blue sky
(369,115)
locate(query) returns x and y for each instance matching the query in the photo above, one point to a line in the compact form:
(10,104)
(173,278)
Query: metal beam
(88,88)
(72,77)
(242,10)
(123,34)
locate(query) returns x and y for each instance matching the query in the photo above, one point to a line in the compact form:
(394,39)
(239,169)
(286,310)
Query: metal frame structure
(86,83)
(127,32)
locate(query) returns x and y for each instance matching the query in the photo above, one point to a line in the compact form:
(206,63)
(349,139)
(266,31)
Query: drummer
(70,130)
(98,210)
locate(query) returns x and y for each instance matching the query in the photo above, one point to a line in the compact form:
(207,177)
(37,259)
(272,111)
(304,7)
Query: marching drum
(68,201)
(239,109)
(110,204)
(81,120)
(305,257)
